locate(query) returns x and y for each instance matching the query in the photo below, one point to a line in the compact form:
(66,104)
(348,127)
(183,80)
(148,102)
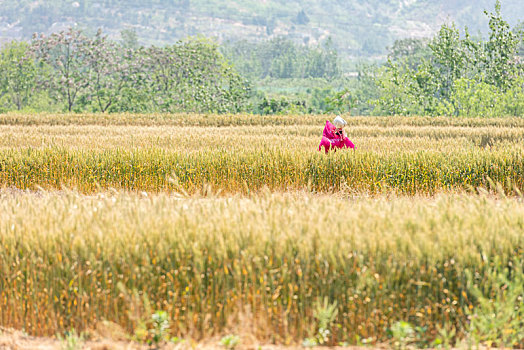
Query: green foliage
(499,317)
(280,106)
(67,55)
(412,51)
(160,329)
(192,76)
(17,76)
(450,58)
(473,98)
(79,73)
(338,102)
(282,58)
(302,96)
(458,76)
(148,327)
(445,337)
(450,74)
(519,29)
(113,70)
(230,341)
(325,314)
(71,340)
(403,333)
(402,91)
(499,56)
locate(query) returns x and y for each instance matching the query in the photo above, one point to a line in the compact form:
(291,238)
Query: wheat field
(107,218)
(247,153)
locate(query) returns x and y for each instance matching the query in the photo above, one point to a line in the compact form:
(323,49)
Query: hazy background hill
(361,28)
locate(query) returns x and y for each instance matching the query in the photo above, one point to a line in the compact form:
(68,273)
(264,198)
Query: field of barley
(237,224)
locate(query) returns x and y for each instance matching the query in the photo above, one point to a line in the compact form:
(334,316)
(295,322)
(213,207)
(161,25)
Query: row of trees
(450,74)
(73,72)
(281,58)
(69,71)
(454,74)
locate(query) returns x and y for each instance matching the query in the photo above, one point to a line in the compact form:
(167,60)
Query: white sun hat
(338,122)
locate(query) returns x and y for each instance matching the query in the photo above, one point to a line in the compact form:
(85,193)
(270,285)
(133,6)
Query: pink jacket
(332,141)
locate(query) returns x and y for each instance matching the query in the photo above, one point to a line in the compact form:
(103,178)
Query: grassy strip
(154,169)
(220,120)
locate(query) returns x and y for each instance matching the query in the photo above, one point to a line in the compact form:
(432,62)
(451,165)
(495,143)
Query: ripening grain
(153,169)
(212,216)
(64,256)
(246,153)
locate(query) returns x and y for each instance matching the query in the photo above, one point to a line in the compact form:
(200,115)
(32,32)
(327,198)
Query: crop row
(71,261)
(220,120)
(154,169)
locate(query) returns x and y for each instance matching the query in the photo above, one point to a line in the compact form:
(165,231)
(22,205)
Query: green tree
(193,76)
(281,58)
(112,69)
(519,30)
(411,51)
(499,60)
(17,74)
(458,73)
(450,58)
(67,53)
(322,62)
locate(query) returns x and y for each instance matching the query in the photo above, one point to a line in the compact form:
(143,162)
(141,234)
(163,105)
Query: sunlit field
(248,153)
(71,261)
(221,220)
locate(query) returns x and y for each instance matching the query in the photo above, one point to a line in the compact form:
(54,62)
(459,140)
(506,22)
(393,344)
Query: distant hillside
(357,27)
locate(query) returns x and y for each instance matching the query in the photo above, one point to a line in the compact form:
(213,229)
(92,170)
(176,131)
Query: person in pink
(334,136)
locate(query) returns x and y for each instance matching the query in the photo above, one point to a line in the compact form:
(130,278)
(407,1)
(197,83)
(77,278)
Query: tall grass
(63,256)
